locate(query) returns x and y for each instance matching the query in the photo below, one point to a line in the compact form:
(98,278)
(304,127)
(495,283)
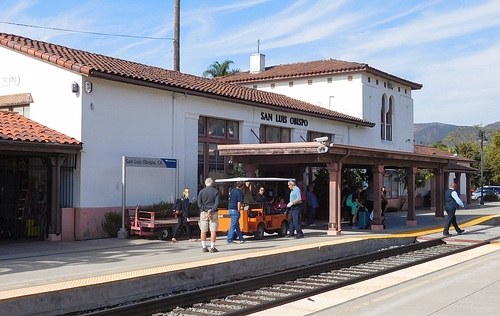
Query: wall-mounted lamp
(322,149)
(325,140)
(74,87)
(88,86)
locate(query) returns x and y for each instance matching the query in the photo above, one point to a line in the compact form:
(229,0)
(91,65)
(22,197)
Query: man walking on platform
(208,200)
(452,202)
(294,205)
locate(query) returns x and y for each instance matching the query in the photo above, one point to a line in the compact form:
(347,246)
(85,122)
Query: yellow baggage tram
(260,218)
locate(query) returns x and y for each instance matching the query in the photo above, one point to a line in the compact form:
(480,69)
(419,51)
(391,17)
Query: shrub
(491,197)
(163,209)
(112,223)
(392,209)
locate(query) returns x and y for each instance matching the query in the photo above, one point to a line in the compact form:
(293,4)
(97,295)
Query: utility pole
(482,138)
(177,19)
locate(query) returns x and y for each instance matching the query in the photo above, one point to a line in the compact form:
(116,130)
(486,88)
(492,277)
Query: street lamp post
(481,135)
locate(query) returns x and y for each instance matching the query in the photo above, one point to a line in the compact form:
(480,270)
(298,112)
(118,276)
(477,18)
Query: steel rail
(166,303)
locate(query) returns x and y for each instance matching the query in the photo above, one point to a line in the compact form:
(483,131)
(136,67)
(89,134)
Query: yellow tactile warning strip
(439,229)
(329,299)
(66,285)
(115,277)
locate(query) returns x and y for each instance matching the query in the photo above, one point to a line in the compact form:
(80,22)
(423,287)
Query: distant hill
(427,133)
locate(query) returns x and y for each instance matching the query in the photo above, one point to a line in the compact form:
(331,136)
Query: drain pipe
(346,155)
(176,184)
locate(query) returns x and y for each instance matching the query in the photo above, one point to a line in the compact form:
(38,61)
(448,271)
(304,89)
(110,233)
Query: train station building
(105,108)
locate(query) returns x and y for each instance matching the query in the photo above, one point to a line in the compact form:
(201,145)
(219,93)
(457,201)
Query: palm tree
(219,70)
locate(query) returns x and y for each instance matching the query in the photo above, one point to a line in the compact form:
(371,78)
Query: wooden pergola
(336,156)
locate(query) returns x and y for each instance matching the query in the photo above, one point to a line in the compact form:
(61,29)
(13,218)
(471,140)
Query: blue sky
(451,47)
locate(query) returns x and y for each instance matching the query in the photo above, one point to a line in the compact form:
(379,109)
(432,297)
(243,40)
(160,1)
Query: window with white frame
(391,186)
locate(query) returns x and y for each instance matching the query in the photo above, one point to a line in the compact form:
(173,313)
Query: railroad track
(264,292)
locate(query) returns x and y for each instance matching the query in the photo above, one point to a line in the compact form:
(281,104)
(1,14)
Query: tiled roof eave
(213,95)
(110,68)
(293,75)
(63,62)
(363,67)
(412,85)
(36,147)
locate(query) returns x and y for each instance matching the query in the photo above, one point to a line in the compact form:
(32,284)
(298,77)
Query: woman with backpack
(353,201)
(181,210)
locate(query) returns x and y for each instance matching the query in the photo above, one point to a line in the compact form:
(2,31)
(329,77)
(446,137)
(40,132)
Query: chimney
(257,63)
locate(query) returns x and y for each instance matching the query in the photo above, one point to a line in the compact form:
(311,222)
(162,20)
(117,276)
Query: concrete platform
(48,278)
(473,234)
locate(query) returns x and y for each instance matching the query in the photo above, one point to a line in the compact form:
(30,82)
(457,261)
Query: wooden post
(439,215)
(334,210)
(411,220)
(378,173)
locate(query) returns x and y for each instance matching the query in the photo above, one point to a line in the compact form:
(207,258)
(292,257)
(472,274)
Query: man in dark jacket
(208,200)
(452,202)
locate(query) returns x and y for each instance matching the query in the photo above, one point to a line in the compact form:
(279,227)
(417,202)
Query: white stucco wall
(118,119)
(355,95)
(125,120)
(58,110)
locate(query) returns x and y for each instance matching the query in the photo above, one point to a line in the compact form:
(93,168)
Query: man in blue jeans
(234,207)
(294,205)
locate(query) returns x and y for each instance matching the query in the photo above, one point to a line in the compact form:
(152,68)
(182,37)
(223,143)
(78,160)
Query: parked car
(476,195)
(495,188)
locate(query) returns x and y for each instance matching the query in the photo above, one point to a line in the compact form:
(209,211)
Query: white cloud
(432,27)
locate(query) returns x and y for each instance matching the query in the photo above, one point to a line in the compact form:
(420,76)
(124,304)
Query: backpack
(178,206)
(349,201)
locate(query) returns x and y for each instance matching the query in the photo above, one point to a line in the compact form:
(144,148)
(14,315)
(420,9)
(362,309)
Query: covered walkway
(297,156)
(37,276)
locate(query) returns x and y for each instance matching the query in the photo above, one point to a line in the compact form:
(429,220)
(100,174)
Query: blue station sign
(150,162)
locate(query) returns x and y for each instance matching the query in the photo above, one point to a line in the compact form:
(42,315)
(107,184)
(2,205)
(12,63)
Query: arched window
(386,111)
(382,118)
(388,120)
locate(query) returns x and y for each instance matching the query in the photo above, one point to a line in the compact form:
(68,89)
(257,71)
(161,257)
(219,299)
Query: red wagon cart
(145,223)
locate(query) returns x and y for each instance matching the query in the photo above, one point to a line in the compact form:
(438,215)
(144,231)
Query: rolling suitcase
(363,218)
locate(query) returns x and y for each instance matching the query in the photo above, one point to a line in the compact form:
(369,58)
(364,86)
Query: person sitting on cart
(260,198)
(282,204)
(182,209)
(234,207)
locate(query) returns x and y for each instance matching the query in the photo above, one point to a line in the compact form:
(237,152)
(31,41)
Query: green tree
(440,144)
(220,70)
(465,142)
(493,155)
(463,135)
(421,177)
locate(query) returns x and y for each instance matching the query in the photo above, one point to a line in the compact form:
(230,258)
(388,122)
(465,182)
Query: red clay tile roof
(16,99)
(126,71)
(431,151)
(20,128)
(313,68)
